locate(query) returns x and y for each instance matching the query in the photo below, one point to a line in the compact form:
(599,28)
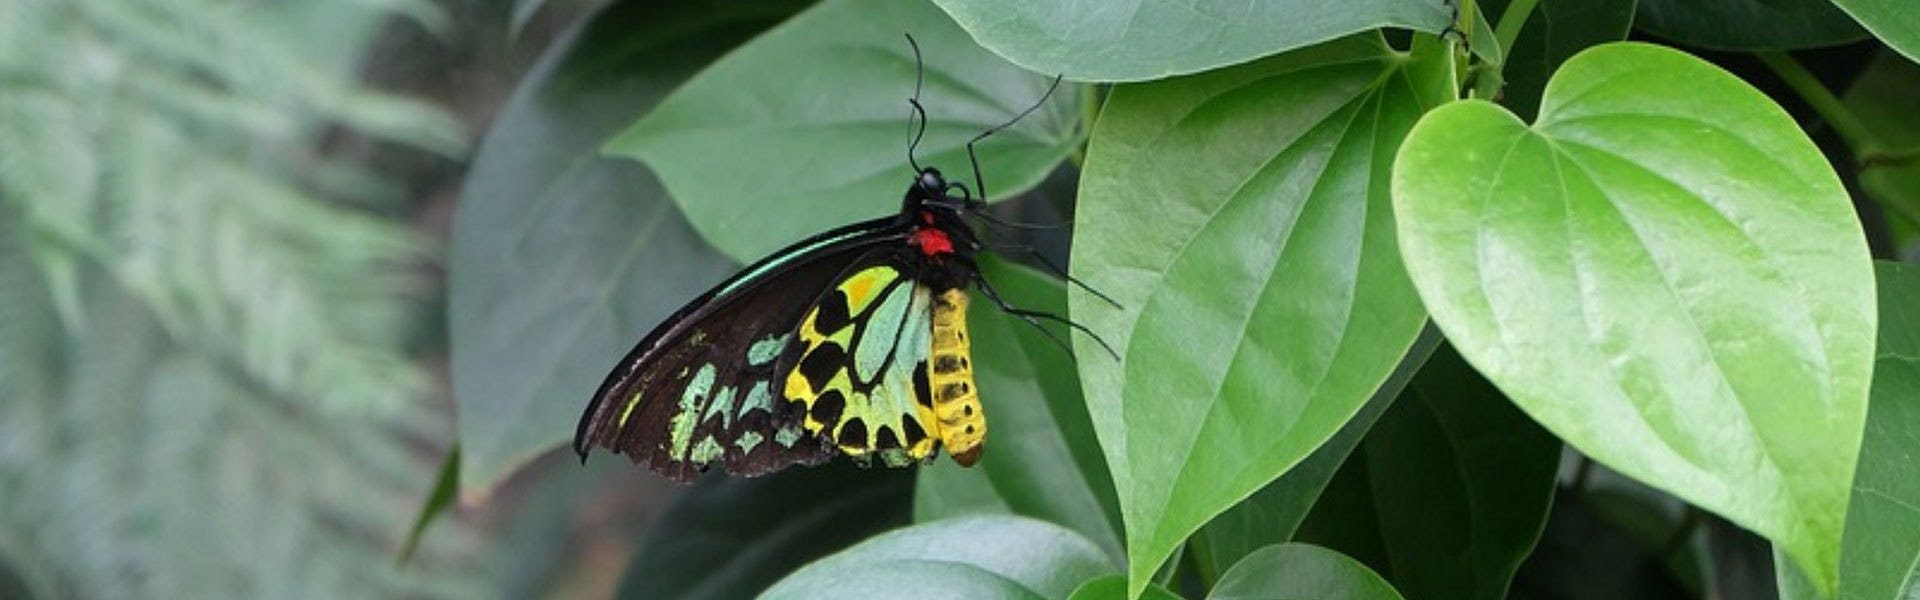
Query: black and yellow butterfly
(851,342)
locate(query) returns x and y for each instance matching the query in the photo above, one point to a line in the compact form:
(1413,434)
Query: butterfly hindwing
(858,365)
(704,388)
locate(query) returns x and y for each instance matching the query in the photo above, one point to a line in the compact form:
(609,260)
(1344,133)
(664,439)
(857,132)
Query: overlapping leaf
(1664,271)
(967,557)
(1881,556)
(1301,571)
(1893,21)
(1748,24)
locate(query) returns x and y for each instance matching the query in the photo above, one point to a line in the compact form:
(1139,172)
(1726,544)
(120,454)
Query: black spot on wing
(833,313)
(913,431)
(820,365)
(884,439)
(828,407)
(853,433)
(922,391)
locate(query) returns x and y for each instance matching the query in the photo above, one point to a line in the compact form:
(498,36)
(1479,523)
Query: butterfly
(851,342)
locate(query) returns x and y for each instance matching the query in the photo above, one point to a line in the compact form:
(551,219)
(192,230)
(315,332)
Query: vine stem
(1851,131)
(1511,20)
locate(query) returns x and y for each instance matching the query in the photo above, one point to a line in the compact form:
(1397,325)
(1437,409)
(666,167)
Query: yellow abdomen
(955,403)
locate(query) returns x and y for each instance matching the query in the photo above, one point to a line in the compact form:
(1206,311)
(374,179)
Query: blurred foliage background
(221,355)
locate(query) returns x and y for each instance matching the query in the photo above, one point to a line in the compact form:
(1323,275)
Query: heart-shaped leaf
(968,557)
(1301,571)
(561,259)
(1241,218)
(1893,21)
(1748,24)
(1665,272)
(1151,39)
(804,128)
(1042,460)
(1881,556)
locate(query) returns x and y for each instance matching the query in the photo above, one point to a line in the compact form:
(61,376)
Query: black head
(932,191)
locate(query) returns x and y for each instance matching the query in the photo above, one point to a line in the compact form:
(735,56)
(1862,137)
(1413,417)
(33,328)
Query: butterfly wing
(858,363)
(700,389)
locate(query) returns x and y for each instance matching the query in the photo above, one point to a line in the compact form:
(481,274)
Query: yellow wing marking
(888,419)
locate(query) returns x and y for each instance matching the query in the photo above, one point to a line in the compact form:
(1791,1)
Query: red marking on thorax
(931,241)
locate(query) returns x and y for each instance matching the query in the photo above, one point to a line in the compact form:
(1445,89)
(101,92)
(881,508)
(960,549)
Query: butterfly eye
(931,181)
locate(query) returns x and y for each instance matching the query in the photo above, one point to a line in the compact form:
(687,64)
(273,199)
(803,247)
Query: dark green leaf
(1042,460)
(1882,98)
(1608,544)
(1881,555)
(1749,24)
(562,259)
(446,486)
(967,557)
(803,129)
(1893,21)
(1151,39)
(1241,219)
(1271,515)
(731,537)
(1301,571)
(1554,32)
(1665,272)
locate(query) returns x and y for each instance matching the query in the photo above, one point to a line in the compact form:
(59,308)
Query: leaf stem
(1511,20)
(1851,131)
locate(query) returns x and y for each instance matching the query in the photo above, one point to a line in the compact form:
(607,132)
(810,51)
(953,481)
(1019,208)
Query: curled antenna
(980,183)
(915,132)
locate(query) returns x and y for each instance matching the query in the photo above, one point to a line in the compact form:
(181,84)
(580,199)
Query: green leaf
(1893,21)
(1881,554)
(1882,98)
(1111,587)
(1665,272)
(562,259)
(968,557)
(759,157)
(1301,571)
(732,537)
(1748,24)
(1151,39)
(1271,515)
(1460,482)
(1043,460)
(446,485)
(1554,32)
(1241,218)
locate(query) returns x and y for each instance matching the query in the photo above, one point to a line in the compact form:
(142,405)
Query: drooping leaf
(732,537)
(1042,460)
(1665,272)
(967,557)
(1151,39)
(562,259)
(759,157)
(1270,516)
(1241,219)
(1749,24)
(1881,554)
(1554,32)
(1301,571)
(1893,21)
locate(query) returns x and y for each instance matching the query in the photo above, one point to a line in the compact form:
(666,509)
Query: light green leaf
(1881,555)
(1151,39)
(1303,572)
(1748,24)
(1241,218)
(1893,21)
(804,128)
(1271,515)
(562,259)
(1041,460)
(968,557)
(1114,587)
(1665,272)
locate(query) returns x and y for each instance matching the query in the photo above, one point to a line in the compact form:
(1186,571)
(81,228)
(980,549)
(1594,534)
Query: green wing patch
(861,375)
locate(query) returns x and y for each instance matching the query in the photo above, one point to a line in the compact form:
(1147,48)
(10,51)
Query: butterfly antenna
(915,132)
(1055,269)
(979,182)
(1033,317)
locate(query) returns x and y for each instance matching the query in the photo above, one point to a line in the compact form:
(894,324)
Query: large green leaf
(1748,24)
(1554,32)
(967,557)
(1881,556)
(1151,39)
(1665,272)
(1043,460)
(1241,219)
(1303,572)
(1271,515)
(1460,483)
(1893,21)
(760,156)
(731,537)
(562,259)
